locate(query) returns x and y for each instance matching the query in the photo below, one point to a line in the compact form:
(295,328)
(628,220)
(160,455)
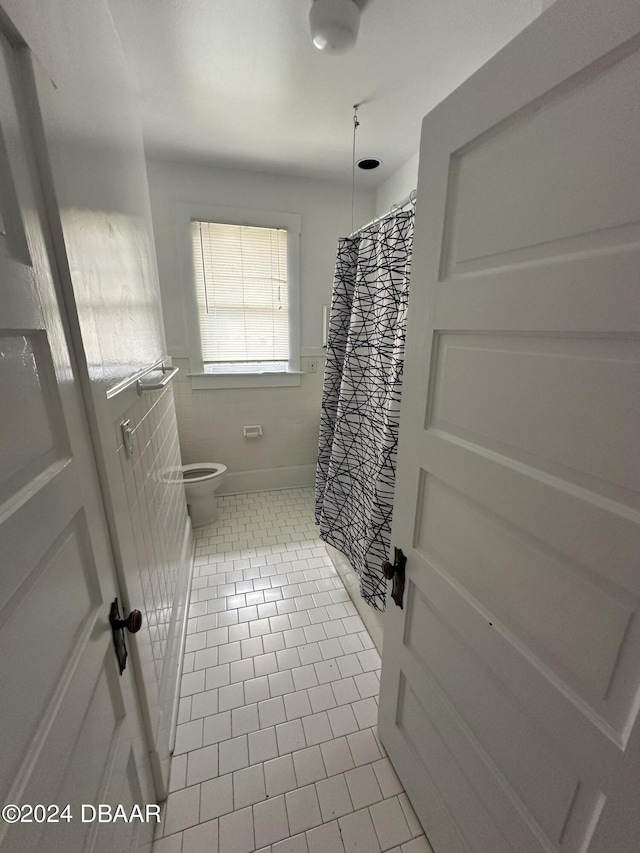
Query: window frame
(291,222)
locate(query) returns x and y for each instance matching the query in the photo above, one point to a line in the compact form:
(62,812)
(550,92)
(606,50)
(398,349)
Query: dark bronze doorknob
(132,623)
(395,573)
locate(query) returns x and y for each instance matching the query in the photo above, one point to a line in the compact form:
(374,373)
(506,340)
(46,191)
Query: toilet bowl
(201,481)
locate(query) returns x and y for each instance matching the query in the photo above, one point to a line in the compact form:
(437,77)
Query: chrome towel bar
(130,381)
(169,373)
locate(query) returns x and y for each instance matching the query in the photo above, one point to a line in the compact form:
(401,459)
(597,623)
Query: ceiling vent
(368,163)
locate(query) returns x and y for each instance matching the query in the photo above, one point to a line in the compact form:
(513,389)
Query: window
(242,293)
(236,334)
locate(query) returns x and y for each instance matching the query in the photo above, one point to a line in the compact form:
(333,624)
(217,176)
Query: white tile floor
(276,748)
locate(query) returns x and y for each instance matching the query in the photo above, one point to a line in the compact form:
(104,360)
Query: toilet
(201,481)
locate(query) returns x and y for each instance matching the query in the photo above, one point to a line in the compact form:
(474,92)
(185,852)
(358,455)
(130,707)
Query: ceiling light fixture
(334,25)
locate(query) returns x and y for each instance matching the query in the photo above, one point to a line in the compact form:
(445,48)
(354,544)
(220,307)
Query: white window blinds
(241,286)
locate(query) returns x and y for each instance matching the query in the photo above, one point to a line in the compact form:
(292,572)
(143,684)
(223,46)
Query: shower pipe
(410,199)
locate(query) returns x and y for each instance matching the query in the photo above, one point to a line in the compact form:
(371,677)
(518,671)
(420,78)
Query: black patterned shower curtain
(360,415)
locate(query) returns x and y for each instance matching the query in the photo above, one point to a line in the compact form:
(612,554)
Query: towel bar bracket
(169,373)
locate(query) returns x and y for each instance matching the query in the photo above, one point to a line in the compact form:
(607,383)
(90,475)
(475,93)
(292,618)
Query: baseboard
(373,619)
(268,479)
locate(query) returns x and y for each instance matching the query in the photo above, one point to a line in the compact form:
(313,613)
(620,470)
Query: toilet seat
(200,472)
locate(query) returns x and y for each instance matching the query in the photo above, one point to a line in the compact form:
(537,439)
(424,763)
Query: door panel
(43,643)
(511,681)
(71,730)
(76,758)
(528,757)
(29,409)
(579,626)
(512,196)
(524,415)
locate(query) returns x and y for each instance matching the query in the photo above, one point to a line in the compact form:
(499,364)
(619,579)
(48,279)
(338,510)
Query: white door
(70,731)
(119,332)
(511,679)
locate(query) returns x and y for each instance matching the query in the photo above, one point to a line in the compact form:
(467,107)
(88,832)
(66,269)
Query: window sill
(275,379)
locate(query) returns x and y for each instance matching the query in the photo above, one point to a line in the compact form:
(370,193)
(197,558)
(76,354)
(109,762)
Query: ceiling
(237,83)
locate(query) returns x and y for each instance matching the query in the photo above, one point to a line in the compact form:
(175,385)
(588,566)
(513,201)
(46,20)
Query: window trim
(201,379)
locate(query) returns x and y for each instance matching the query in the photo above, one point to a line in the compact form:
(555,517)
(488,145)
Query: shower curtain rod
(410,199)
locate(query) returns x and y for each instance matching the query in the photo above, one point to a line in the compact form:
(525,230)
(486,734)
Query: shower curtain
(360,413)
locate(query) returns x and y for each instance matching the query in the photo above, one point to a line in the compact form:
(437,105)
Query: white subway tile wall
(158,513)
(276,748)
(211,423)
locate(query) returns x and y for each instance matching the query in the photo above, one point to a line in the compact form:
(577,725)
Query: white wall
(398,185)
(325,210)
(94,145)
(210,421)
